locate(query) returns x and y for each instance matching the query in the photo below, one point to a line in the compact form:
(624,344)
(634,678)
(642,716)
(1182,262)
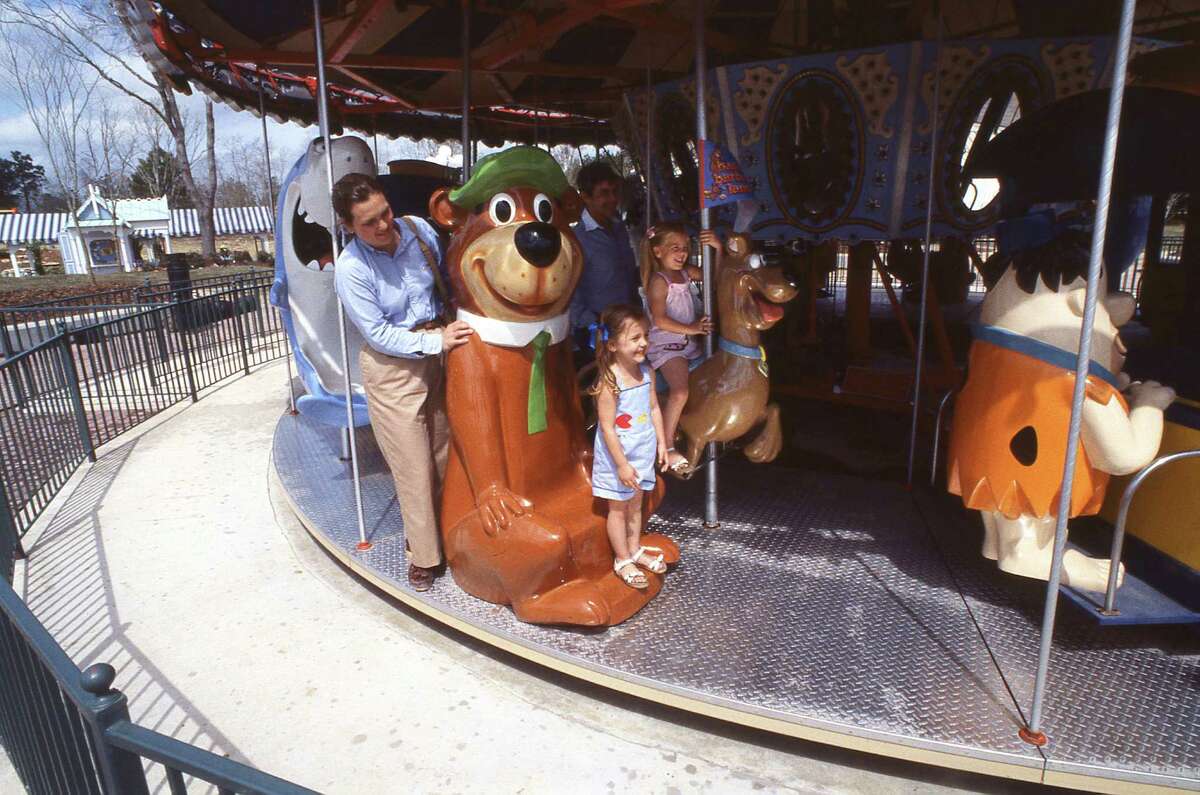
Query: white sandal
(634,579)
(657,565)
(680,465)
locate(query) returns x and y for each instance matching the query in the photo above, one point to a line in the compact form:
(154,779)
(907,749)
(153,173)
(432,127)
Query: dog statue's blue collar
(1042,351)
(758,354)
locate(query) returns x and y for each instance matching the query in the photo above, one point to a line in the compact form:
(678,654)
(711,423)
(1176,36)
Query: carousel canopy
(545,71)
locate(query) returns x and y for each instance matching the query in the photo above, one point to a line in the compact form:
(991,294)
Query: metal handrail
(177,755)
(208,280)
(28,352)
(937,435)
(112,373)
(114,747)
(1110,595)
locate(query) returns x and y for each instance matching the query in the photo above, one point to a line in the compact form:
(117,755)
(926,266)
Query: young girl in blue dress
(629,440)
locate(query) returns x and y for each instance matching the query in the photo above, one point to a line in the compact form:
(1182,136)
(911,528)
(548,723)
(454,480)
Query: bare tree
(242,173)
(109,154)
(98,34)
(158,172)
(56,93)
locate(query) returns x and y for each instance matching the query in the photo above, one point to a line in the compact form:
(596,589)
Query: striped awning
(229,221)
(21,229)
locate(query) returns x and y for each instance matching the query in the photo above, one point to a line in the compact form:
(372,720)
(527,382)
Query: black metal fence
(87,384)
(100,369)
(23,327)
(69,732)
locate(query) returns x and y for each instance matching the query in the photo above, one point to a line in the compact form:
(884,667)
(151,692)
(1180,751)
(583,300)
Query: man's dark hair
(350,190)
(1057,262)
(593,174)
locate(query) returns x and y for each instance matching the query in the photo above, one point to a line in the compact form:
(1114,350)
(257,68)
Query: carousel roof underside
(546,71)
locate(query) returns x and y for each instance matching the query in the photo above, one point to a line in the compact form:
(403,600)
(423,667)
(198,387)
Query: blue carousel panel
(838,145)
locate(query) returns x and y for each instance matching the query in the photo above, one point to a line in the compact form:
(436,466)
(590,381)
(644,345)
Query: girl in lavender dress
(674,351)
(629,439)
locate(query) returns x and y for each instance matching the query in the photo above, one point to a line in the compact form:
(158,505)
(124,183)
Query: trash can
(179,277)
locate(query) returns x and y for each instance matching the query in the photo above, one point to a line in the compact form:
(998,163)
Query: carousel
(976,179)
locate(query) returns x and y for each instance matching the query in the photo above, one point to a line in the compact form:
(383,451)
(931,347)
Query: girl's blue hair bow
(592,329)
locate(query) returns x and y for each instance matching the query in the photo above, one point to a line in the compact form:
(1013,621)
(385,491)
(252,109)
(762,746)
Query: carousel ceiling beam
(367,14)
(496,55)
(421,63)
(539,36)
(501,87)
(367,82)
(661,22)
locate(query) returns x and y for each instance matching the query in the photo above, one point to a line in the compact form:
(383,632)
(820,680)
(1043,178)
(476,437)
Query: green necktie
(537,383)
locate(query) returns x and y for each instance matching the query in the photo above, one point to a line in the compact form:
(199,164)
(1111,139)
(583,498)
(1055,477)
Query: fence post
(71,376)
(120,771)
(8,354)
(242,326)
(143,327)
(10,539)
(185,345)
(160,335)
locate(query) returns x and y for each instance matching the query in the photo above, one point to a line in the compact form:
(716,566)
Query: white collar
(589,223)
(515,334)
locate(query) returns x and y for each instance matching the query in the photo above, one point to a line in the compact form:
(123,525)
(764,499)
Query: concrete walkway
(175,559)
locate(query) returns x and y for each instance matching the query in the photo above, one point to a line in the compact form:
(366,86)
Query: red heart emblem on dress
(623,420)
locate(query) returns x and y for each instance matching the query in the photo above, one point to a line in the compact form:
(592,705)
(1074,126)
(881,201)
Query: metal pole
(937,437)
(1110,595)
(467,160)
(711,519)
(646,172)
(921,320)
(375,140)
(1033,734)
(323,118)
(71,378)
(287,345)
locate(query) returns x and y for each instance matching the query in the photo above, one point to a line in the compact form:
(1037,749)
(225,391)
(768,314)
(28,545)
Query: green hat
(521,165)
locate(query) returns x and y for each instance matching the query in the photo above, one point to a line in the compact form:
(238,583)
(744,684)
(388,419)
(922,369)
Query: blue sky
(17,132)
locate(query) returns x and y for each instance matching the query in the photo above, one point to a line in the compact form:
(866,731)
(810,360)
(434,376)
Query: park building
(127,235)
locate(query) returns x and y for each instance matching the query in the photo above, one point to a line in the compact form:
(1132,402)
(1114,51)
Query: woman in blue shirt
(387,281)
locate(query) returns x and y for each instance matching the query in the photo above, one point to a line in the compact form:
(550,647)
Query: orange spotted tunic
(1009,437)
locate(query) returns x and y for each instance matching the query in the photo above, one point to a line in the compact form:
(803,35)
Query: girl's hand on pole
(709,238)
(702,326)
(628,475)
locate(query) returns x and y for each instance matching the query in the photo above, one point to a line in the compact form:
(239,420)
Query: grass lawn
(30,289)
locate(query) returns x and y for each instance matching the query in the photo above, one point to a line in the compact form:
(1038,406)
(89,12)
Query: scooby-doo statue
(728,395)
(519,523)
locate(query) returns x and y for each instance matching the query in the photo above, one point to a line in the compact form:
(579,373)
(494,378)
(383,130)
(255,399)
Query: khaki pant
(406,399)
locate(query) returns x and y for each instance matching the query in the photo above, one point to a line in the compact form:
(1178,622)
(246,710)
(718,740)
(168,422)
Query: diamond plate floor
(1139,688)
(827,601)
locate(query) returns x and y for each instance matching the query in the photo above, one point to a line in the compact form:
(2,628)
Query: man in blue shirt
(387,279)
(610,268)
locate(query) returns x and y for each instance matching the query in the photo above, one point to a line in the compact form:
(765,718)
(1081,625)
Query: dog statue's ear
(572,205)
(443,213)
(737,245)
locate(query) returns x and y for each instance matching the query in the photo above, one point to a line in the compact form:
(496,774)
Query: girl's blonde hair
(612,323)
(656,236)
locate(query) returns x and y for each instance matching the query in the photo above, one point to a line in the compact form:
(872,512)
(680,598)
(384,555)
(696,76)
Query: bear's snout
(539,243)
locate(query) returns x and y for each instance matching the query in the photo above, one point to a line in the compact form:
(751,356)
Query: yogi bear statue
(519,523)
(1009,439)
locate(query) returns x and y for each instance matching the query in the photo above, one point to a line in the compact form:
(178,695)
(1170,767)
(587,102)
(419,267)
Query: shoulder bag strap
(432,262)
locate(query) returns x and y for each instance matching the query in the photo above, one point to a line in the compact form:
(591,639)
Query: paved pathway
(175,559)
